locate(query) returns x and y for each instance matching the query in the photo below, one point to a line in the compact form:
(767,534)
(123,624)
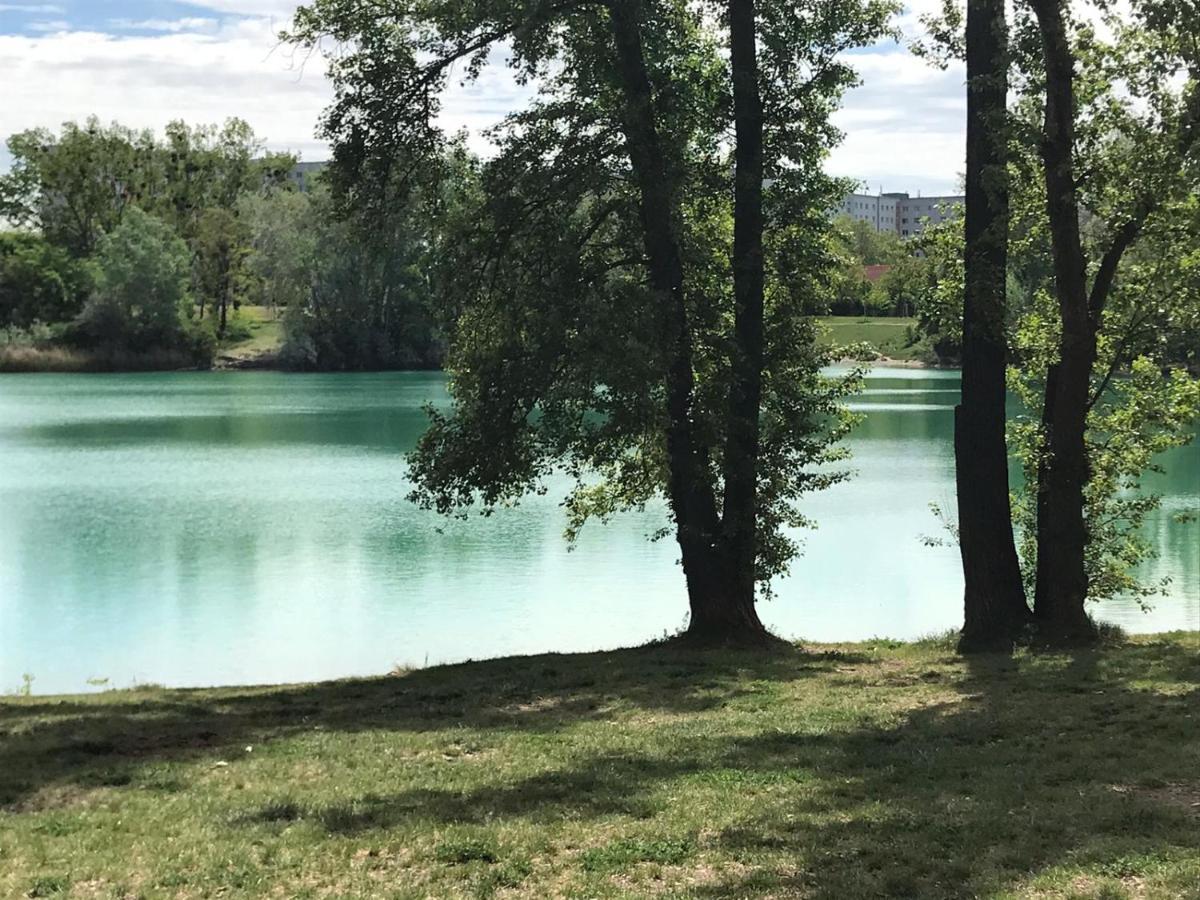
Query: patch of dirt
(54,796)
(1185,797)
(541,704)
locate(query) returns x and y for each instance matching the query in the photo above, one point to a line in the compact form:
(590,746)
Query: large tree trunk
(994,605)
(739,515)
(1062,581)
(719,614)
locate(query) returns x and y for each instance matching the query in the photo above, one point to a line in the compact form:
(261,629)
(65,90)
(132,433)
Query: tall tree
(995,609)
(718,609)
(740,505)
(1157,170)
(76,186)
(141,294)
(39,282)
(612,315)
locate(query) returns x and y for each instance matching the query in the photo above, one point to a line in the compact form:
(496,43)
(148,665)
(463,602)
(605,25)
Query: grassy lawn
(887,335)
(266,334)
(868,770)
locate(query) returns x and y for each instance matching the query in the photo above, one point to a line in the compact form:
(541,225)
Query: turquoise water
(204,528)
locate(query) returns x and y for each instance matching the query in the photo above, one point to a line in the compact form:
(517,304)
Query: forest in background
(129,251)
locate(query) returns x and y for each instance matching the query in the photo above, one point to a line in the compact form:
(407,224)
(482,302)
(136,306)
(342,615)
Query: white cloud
(43,9)
(904,125)
(270,8)
(147,80)
(170,25)
(199,73)
(50,25)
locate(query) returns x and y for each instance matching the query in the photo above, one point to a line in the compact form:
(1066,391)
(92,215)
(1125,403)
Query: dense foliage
(141,301)
(352,292)
(39,281)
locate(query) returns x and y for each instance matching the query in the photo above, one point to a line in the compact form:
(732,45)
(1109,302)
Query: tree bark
(1062,581)
(221,323)
(994,606)
(739,515)
(718,613)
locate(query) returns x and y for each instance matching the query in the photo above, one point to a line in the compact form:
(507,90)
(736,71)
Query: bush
(141,300)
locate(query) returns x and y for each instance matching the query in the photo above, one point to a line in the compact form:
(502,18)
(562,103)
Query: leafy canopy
(556,348)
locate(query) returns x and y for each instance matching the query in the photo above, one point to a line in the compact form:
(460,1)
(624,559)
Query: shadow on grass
(47,743)
(1048,760)
(1033,762)
(1054,759)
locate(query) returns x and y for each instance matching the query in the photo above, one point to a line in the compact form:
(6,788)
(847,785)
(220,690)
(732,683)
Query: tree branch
(1146,207)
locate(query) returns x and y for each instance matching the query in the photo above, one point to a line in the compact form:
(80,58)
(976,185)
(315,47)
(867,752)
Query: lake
(236,528)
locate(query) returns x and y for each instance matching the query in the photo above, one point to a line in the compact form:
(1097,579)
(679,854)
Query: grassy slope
(887,335)
(858,771)
(266,334)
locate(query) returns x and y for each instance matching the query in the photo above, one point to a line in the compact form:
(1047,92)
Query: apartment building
(899,213)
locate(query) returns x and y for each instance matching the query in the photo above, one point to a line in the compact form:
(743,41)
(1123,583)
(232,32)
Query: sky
(146,62)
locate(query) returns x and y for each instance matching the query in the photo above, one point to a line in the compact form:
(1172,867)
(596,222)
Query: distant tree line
(143,251)
(924,276)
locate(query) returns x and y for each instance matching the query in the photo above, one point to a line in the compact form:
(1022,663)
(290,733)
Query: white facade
(898,213)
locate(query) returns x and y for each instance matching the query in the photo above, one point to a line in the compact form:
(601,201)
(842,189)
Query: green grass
(870,770)
(888,336)
(266,334)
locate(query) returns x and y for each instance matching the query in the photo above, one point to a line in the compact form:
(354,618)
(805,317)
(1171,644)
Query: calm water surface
(208,528)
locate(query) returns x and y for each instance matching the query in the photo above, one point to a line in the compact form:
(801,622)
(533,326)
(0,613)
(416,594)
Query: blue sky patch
(31,17)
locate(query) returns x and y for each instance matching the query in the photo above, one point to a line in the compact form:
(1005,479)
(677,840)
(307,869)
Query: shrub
(141,297)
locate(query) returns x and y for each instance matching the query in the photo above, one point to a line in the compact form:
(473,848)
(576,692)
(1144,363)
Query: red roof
(874,273)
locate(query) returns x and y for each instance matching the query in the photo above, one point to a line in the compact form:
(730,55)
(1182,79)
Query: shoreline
(1115,638)
(269,363)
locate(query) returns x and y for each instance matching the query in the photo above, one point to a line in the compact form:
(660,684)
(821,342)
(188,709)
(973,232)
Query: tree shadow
(1037,761)
(1022,764)
(106,739)
(1041,760)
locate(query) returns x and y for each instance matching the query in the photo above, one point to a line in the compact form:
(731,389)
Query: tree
(75,187)
(906,284)
(994,605)
(282,229)
(366,295)
(219,250)
(1135,161)
(866,243)
(207,167)
(614,316)
(141,299)
(39,282)
(940,304)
